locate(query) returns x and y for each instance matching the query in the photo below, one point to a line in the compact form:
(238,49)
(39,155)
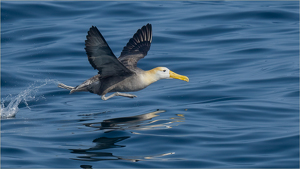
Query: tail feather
(91,85)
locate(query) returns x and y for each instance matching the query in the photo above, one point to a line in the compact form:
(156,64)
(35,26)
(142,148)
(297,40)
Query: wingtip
(148,25)
(92,35)
(142,36)
(93,29)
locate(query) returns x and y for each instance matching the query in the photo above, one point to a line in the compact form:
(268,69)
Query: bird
(119,75)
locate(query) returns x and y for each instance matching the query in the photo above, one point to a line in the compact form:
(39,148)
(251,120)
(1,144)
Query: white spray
(29,94)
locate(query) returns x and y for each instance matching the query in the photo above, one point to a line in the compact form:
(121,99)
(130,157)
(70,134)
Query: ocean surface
(239,110)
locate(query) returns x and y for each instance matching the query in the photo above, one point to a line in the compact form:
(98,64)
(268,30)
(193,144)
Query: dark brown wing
(137,47)
(101,57)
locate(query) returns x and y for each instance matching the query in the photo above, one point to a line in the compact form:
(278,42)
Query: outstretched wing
(137,47)
(101,57)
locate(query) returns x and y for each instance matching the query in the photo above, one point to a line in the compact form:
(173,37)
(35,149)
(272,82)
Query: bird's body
(120,74)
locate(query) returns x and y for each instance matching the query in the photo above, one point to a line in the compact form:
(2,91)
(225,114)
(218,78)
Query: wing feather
(137,47)
(101,56)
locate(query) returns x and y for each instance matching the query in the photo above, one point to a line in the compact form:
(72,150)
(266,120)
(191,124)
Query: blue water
(239,110)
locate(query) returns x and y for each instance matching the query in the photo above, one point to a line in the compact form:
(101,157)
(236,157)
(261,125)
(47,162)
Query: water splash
(27,95)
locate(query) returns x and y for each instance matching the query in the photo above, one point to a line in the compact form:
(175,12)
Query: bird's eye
(164,70)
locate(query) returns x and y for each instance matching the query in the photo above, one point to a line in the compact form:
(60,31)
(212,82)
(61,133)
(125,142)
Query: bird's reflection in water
(139,122)
(86,166)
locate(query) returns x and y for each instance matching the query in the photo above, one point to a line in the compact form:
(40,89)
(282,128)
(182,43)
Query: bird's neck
(150,76)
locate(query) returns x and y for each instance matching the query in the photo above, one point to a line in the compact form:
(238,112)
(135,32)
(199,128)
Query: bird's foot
(126,95)
(118,94)
(132,96)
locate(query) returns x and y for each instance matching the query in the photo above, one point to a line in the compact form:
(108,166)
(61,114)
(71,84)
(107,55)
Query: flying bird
(120,74)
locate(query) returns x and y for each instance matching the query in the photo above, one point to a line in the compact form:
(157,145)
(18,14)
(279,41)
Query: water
(239,110)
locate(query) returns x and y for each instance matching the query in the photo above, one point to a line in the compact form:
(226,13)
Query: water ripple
(239,110)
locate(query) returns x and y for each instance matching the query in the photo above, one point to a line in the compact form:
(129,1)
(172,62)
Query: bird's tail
(61,85)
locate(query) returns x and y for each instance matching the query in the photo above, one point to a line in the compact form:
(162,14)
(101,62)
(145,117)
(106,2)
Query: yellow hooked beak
(177,76)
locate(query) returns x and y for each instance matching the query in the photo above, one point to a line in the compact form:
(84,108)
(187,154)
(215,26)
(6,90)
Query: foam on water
(27,95)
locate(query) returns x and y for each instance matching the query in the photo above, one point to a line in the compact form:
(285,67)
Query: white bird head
(165,73)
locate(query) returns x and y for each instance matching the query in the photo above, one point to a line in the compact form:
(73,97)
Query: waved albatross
(120,74)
